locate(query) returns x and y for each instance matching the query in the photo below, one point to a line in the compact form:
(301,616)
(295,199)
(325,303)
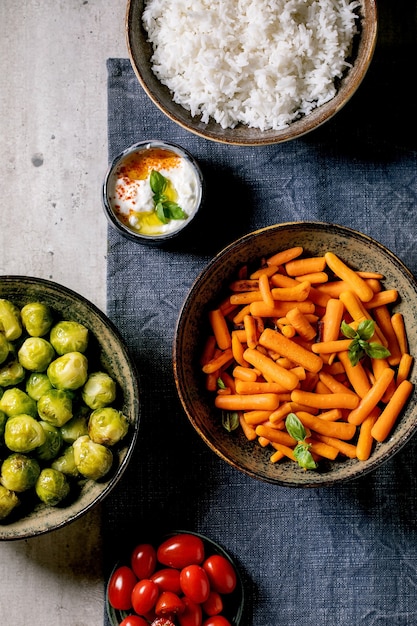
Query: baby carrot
(383,319)
(313,277)
(260,309)
(333,384)
(387,296)
(251,331)
(346,448)
(305,266)
(325,400)
(238,349)
(365,439)
(328,347)
(248,387)
(339,430)
(265,290)
(277,456)
(249,402)
(404,367)
(269,270)
(325,450)
(220,329)
(282,257)
(297,293)
(270,369)
(219,361)
(273,340)
(356,375)
(245,373)
(397,321)
(372,397)
(277,436)
(238,318)
(301,324)
(248,429)
(357,284)
(332,320)
(385,422)
(256,417)
(285,450)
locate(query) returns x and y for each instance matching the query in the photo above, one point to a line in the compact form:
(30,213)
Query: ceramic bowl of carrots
(293,354)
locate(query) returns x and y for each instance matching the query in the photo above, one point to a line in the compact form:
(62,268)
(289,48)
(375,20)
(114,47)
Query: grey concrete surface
(53,156)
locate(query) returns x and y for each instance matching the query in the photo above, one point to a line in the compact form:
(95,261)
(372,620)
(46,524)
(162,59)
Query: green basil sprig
(302,452)
(165,209)
(360,344)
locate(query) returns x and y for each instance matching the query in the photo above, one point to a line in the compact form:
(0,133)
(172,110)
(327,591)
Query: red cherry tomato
(181,550)
(214,604)
(144,596)
(169,604)
(143,560)
(167,579)
(120,588)
(134,620)
(221,573)
(162,621)
(216,620)
(192,614)
(195,583)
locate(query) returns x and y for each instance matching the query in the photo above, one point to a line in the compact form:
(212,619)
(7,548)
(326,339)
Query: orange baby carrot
(277,456)
(265,290)
(269,270)
(248,387)
(238,318)
(272,434)
(238,349)
(219,361)
(329,347)
(248,429)
(273,340)
(333,384)
(339,430)
(332,415)
(285,450)
(256,417)
(344,272)
(383,318)
(397,321)
(325,400)
(332,320)
(270,369)
(244,285)
(372,397)
(251,331)
(322,448)
(302,326)
(282,257)
(246,297)
(387,296)
(314,277)
(298,293)
(365,439)
(249,402)
(307,265)
(346,448)
(356,375)
(245,373)
(220,329)
(288,330)
(404,367)
(389,415)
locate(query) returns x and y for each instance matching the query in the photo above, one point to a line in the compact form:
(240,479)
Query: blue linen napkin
(345,555)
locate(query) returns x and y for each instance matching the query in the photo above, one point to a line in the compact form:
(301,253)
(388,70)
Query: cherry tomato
(214,604)
(195,583)
(120,588)
(181,550)
(134,620)
(192,614)
(143,560)
(216,620)
(144,596)
(162,621)
(221,573)
(167,579)
(169,604)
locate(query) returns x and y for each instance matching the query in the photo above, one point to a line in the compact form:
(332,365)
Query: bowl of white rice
(249,72)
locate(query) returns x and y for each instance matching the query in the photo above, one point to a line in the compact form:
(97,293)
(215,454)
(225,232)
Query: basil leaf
(230,421)
(220,384)
(157,182)
(295,427)
(173,211)
(366,329)
(304,456)
(161,213)
(355,352)
(376,351)
(348,331)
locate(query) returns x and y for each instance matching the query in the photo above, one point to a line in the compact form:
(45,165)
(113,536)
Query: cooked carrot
(219,361)
(238,318)
(373,275)
(346,448)
(228,381)
(333,384)
(287,347)
(321,387)
(248,429)
(322,448)
(282,257)
(378,366)
(313,278)
(365,439)
(269,270)
(332,320)
(329,347)
(270,369)
(277,456)
(272,434)
(211,381)
(344,272)
(301,324)
(370,400)
(288,330)
(251,331)
(354,306)
(265,290)
(305,265)
(325,400)
(236,402)
(397,321)
(387,296)
(339,430)
(282,280)
(332,415)
(389,415)
(220,329)
(244,285)
(248,387)
(246,297)
(245,373)
(238,349)
(298,293)
(256,417)
(383,319)
(356,375)
(285,450)
(404,367)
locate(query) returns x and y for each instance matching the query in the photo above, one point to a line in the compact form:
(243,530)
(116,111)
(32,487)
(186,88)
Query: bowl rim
(321,480)
(10,531)
(298,128)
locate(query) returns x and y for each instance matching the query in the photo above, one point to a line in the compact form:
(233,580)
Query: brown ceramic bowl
(356,249)
(140,52)
(106,351)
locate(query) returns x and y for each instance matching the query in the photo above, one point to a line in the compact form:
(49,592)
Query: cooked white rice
(263,63)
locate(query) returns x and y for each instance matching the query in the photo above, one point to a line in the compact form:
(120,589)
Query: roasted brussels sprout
(14,401)
(52,486)
(107,426)
(68,371)
(12,373)
(52,445)
(65,463)
(55,407)
(3,420)
(37,384)
(36,318)
(69,336)
(23,433)
(35,354)
(4,348)
(99,390)
(8,501)
(92,459)
(10,320)
(75,427)
(19,472)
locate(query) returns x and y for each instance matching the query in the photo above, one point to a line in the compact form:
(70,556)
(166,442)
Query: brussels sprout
(68,371)
(10,320)
(37,384)
(99,390)
(8,501)
(4,348)
(11,374)
(35,354)
(19,472)
(92,459)
(107,426)
(36,318)
(52,486)
(23,433)
(3,420)
(55,407)
(69,336)
(14,401)
(74,428)
(65,463)
(53,443)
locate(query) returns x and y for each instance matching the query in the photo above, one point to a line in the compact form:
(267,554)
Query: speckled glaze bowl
(356,249)
(108,351)
(140,52)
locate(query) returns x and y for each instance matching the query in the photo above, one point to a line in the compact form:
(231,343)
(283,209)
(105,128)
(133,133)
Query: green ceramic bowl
(107,350)
(360,252)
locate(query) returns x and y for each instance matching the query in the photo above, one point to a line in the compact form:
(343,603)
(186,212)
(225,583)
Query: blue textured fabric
(345,555)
